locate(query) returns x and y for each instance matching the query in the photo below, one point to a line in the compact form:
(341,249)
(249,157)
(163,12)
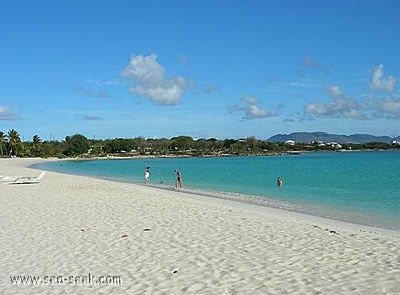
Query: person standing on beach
(178,180)
(146,175)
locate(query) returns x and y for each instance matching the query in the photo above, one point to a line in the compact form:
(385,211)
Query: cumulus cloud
(339,106)
(387,107)
(7,115)
(379,82)
(251,108)
(151,81)
(342,106)
(390,106)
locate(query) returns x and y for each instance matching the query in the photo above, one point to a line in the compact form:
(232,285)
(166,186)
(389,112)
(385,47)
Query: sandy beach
(81,235)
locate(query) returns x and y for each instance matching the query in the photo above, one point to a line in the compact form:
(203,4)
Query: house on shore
(290,142)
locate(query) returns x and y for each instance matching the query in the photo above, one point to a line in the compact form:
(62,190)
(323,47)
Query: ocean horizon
(360,187)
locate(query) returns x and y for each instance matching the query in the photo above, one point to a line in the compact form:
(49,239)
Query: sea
(360,186)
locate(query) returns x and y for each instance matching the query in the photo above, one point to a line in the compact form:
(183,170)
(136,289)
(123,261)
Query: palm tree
(2,142)
(13,141)
(37,145)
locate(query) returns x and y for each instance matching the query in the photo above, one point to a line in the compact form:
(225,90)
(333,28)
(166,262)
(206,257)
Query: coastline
(261,197)
(165,241)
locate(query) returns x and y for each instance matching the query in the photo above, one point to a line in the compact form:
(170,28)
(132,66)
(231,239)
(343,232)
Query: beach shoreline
(171,242)
(332,213)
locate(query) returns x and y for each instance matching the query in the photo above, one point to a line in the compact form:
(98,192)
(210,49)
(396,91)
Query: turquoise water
(362,187)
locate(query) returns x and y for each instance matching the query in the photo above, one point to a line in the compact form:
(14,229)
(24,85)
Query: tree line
(78,145)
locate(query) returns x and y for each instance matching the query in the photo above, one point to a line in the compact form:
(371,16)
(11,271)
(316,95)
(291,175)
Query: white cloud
(251,109)
(335,91)
(168,92)
(250,100)
(150,80)
(254,112)
(7,115)
(144,70)
(317,109)
(388,107)
(340,106)
(379,82)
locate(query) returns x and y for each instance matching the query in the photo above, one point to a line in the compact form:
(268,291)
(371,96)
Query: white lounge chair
(29,179)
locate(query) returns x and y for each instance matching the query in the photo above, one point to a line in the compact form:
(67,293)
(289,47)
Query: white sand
(166,242)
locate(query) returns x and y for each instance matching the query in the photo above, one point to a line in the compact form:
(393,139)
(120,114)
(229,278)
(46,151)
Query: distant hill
(308,137)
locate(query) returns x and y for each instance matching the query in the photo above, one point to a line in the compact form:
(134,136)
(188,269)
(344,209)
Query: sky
(200,68)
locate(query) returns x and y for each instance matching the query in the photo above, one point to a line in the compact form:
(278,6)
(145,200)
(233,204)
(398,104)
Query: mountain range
(308,137)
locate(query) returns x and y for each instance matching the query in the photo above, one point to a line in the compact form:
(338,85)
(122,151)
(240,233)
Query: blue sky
(223,69)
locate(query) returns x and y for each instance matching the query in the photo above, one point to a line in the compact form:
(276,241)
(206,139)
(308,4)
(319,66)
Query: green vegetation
(79,146)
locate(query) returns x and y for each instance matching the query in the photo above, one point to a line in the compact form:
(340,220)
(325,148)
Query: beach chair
(29,179)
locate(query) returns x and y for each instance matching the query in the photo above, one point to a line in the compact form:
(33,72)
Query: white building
(290,142)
